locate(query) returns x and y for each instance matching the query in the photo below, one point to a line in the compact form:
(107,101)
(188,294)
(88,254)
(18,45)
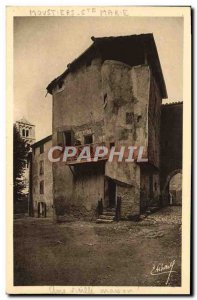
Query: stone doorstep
(108,213)
(110,209)
(104,221)
(107,217)
(152,209)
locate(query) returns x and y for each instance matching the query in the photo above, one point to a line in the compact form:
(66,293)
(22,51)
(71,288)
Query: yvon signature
(161,268)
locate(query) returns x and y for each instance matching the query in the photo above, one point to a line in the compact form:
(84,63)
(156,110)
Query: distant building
(27,133)
(41,193)
(26,130)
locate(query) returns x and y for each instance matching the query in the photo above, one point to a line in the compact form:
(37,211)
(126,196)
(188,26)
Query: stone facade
(41,177)
(115,98)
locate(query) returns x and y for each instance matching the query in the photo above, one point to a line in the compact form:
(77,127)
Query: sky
(43,46)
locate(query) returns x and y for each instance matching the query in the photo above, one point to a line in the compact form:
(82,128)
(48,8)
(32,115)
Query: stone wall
(149,188)
(78,106)
(127,91)
(110,101)
(154,120)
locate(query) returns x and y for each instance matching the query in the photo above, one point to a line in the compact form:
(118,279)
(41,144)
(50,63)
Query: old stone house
(41,188)
(110,94)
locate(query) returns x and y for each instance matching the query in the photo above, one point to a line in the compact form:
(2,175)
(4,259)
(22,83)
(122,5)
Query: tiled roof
(144,42)
(172,103)
(24,121)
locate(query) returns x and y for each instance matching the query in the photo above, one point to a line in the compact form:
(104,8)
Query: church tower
(26,130)
(27,133)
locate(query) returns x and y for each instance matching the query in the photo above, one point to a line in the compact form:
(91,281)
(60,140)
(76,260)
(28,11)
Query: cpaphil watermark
(92,153)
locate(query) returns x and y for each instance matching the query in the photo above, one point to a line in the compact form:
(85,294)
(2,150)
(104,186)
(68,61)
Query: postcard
(98,150)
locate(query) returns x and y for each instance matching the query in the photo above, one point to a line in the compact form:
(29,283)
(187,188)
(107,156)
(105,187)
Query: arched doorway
(175,189)
(172,192)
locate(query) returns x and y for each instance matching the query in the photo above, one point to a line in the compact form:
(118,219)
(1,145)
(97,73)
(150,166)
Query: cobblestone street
(86,253)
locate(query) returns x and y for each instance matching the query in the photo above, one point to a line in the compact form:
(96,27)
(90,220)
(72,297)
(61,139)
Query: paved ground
(84,253)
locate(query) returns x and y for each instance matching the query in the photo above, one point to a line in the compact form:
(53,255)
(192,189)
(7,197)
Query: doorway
(112,193)
(175,190)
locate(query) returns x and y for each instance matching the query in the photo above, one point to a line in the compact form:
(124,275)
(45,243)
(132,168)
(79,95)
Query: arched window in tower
(23,132)
(27,133)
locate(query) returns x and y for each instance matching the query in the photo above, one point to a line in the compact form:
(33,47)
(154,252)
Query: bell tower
(26,130)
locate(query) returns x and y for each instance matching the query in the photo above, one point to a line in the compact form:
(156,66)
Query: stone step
(153,208)
(108,213)
(106,217)
(104,221)
(111,209)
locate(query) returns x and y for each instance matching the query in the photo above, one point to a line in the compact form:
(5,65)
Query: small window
(27,133)
(42,187)
(41,148)
(41,167)
(60,84)
(129,118)
(88,139)
(139,118)
(105,99)
(67,138)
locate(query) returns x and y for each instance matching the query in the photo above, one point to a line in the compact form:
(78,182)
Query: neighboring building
(111,94)
(171,152)
(27,133)
(41,179)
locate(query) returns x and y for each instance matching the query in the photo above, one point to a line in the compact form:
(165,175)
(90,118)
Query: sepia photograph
(99,117)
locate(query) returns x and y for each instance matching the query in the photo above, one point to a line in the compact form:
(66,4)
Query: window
(42,187)
(139,118)
(129,118)
(67,138)
(41,148)
(23,132)
(88,139)
(105,100)
(60,84)
(41,167)
(27,133)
